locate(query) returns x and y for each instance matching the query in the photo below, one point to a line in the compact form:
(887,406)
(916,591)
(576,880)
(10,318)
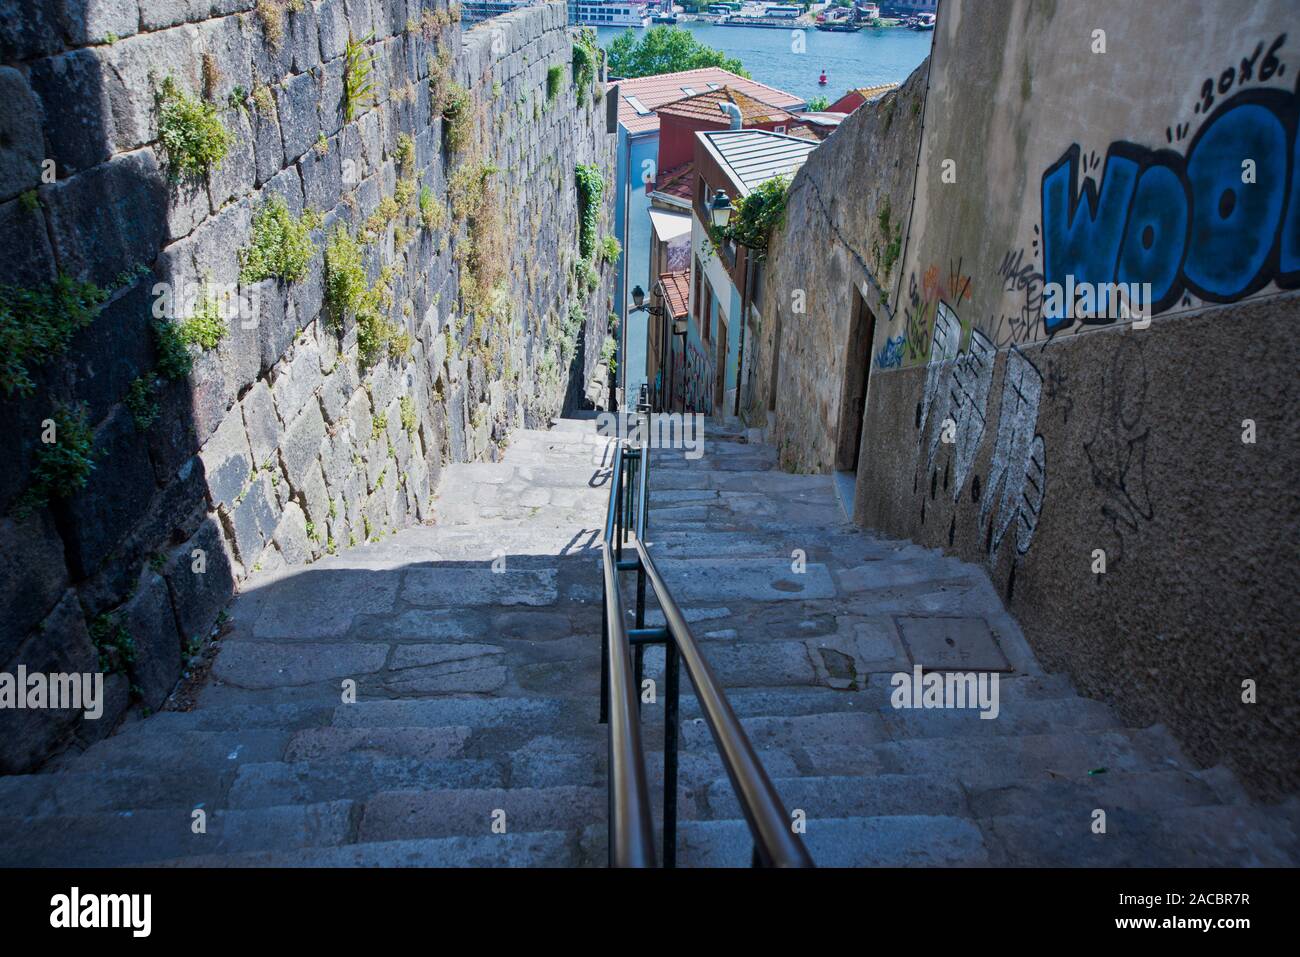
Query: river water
(851,60)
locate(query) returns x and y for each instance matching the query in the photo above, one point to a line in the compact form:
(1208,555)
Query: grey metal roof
(752,157)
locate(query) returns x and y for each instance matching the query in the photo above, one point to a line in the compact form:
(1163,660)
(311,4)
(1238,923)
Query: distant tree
(664,49)
(819,104)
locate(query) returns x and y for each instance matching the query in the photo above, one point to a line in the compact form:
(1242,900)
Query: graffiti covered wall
(1083,364)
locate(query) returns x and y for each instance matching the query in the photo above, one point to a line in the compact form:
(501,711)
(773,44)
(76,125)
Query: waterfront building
(602,13)
(637,177)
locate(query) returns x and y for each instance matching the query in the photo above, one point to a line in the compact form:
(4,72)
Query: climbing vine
(591,186)
(586,56)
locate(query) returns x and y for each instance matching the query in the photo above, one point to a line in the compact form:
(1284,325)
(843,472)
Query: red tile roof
(677,290)
(851,100)
(654,91)
(678,181)
(705,106)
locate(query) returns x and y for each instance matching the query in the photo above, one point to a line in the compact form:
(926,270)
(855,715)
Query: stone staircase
(806,658)
(473,646)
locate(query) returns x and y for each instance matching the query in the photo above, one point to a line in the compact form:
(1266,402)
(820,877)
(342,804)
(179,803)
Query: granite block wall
(284,441)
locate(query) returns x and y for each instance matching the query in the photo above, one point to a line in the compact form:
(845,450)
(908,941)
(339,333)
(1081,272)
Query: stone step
(995,760)
(1132,790)
(409,815)
(356,778)
(537,713)
(187,784)
(1223,836)
(139,837)
(548,849)
(1014,690)
(881,841)
(821,798)
(744,579)
(234,717)
(871,727)
(215,749)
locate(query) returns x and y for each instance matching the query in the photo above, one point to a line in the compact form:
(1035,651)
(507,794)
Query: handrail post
(604,660)
(672,674)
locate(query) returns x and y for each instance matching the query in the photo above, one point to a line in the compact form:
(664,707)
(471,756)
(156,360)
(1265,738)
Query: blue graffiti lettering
(1082,232)
(1234,223)
(1221,221)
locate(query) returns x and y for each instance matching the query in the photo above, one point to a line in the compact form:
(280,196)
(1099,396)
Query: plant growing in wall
(358,84)
(586,59)
(607,350)
(345,274)
(591,186)
(37,324)
(191,132)
(271,13)
(204,326)
(282,245)
(404,152)
(113,642)
(610,248)
(174,359)
(64,459)
(554,80)
(439,78)
(457,115)
(892,233)
(433,214)
(140,403)
(348,294)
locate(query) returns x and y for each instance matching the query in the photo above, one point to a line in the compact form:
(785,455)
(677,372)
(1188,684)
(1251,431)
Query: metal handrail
(775,843)
(631,841)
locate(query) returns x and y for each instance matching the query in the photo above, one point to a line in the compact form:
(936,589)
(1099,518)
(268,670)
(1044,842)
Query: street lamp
(720,209)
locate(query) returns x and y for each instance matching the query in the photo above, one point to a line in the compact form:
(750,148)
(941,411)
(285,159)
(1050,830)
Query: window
(706,317)
(695,300)
(641,108)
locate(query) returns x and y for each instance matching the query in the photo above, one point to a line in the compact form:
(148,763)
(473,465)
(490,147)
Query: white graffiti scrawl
(957,392)
(1019,465)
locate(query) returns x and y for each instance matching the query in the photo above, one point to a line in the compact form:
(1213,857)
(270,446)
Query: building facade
(638,169)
